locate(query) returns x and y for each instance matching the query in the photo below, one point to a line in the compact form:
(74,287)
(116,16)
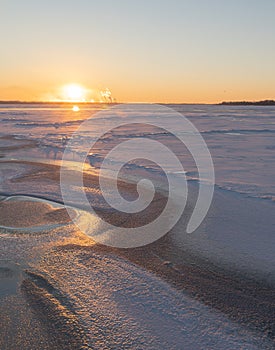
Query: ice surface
(241,139)
(125,305)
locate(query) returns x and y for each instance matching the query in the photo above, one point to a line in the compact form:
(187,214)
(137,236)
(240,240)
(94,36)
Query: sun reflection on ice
(76,109)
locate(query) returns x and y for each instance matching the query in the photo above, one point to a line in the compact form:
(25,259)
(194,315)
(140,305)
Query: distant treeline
(15,102)
(249,103)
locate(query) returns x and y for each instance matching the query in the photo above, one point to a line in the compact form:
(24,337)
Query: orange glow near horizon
(132,91)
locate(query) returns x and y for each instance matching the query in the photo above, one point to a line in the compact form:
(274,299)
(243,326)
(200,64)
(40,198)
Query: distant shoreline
(249,103)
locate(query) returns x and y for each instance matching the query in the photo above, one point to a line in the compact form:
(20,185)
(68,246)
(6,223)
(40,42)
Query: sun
(74,92)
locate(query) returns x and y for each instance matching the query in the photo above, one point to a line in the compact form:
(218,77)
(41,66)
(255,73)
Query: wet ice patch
(10,278)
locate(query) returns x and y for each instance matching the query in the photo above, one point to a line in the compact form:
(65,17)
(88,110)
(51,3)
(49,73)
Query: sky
(196,51)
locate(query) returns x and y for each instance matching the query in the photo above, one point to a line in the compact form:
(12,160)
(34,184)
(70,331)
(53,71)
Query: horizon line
(96,102)
(240,102)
